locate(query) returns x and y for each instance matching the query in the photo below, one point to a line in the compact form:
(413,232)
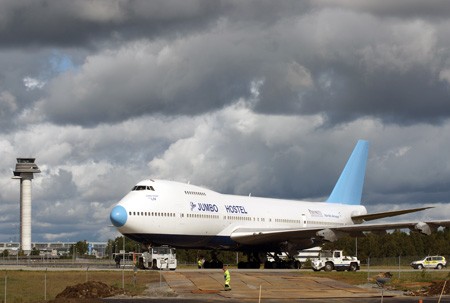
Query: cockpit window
(143,187)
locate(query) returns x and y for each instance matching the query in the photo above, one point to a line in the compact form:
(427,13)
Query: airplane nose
(118,216)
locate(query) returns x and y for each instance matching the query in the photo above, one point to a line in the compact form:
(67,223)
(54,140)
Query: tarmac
(268,287)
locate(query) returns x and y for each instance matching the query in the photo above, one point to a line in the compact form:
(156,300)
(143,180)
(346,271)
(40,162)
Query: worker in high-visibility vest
(226,277)
(200,262)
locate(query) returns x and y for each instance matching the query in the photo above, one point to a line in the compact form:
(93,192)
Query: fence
(33,285)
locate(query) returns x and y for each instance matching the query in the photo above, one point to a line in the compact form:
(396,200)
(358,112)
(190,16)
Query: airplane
(160,212)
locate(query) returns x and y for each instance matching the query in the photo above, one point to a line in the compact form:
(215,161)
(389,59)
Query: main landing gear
(214,263)
(253,261)
(276,262)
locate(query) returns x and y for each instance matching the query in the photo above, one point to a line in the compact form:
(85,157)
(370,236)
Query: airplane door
(303,220)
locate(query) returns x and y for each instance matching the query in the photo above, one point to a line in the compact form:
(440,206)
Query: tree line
(372,245)
(395,244)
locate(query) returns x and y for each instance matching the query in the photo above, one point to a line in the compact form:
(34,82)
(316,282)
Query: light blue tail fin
(348,188)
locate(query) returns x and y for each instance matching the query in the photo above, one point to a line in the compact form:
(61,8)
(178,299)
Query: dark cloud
(86,23)
(159,78)
(310,59)
(396,71)
(403,99)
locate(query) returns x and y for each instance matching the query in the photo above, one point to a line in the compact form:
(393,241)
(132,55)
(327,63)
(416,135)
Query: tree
(35,252)
(81,248)
(116,245)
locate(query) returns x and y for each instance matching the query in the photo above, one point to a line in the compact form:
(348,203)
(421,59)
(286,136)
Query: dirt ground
(434,289)
(87,292)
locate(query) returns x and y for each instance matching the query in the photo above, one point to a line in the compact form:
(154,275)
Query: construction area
(261,286)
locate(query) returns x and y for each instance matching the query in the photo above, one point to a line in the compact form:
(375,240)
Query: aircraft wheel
(242,264)
(154,265)
(254,265)
(269,265)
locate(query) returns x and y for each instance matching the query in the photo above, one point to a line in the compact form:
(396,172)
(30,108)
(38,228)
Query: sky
(261,97)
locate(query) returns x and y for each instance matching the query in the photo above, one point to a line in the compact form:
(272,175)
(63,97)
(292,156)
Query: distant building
(97,249)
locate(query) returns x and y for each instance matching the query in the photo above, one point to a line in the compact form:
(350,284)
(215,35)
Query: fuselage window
(188,192)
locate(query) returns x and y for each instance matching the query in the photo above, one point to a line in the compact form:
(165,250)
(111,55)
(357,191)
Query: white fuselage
(184,215)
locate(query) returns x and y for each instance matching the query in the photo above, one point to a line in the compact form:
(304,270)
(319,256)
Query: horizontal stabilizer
(374,216)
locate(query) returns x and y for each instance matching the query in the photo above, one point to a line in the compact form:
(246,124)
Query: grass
(30,286)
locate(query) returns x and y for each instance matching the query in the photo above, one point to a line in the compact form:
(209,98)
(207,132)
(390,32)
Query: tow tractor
(329,260)
(162,257)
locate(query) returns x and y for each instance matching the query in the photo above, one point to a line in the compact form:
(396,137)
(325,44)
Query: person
(200,263)
(226,277)
(117,259)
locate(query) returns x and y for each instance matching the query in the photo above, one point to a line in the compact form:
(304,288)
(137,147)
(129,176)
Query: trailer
(297,261)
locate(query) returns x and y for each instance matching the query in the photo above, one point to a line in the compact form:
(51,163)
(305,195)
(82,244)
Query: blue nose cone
(118,216)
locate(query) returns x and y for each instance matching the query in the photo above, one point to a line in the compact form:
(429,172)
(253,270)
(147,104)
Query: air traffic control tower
(25,168)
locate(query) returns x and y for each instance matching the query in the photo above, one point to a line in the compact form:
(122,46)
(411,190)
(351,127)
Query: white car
(437,262)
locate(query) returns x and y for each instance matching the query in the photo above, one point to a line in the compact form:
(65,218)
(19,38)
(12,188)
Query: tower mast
(25,169)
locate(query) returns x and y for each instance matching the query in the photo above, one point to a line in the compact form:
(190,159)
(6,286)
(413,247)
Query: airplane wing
(248,236)
(386,214)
